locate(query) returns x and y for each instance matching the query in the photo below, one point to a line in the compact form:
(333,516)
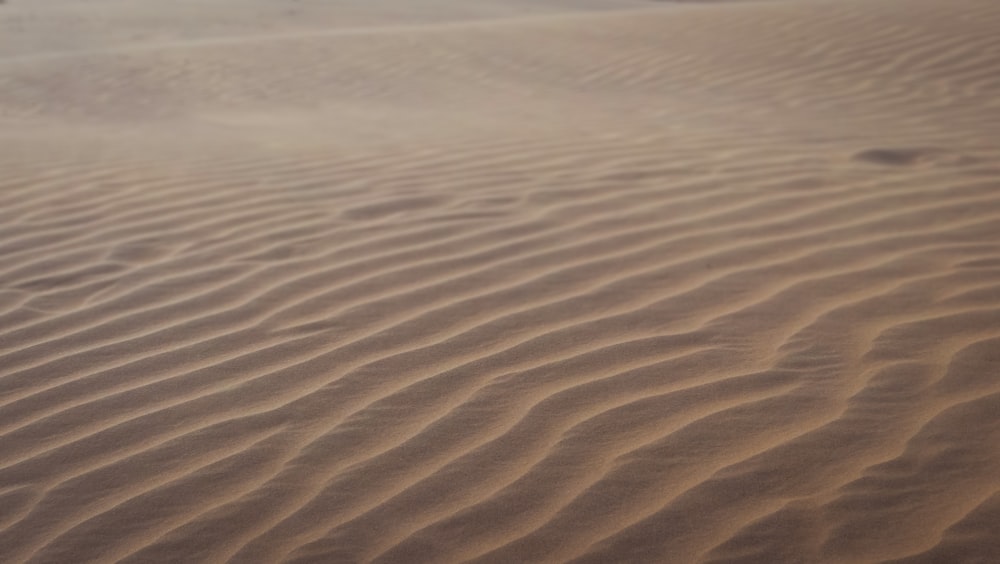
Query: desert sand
(506,281)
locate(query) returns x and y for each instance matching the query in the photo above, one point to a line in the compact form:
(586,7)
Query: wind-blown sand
(499,281)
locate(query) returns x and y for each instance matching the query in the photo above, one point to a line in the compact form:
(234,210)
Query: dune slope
(500,281)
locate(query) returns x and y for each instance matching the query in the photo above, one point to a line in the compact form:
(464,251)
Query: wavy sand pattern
(500,281)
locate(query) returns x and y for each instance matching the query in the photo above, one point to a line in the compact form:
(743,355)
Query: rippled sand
(504,281)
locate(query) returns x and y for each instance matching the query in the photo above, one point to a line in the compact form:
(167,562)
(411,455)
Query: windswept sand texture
(508,281)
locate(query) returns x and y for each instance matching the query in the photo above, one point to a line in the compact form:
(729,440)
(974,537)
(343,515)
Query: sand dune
(500,281)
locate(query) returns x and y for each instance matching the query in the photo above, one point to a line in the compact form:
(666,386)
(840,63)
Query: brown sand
(499,281)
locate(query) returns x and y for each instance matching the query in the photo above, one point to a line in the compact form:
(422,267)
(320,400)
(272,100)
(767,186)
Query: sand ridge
(498,282)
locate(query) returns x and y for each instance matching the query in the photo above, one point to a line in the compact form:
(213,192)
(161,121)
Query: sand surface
(507,281)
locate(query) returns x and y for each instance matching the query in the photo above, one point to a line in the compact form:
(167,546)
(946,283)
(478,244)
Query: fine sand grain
(507,281)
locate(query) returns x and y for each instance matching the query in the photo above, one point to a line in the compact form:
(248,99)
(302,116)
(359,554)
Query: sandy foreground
(508,281)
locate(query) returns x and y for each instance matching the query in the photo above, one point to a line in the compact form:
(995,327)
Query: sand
(507,281)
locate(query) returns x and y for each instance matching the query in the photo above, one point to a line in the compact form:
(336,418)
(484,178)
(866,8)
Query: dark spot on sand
(893,157)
